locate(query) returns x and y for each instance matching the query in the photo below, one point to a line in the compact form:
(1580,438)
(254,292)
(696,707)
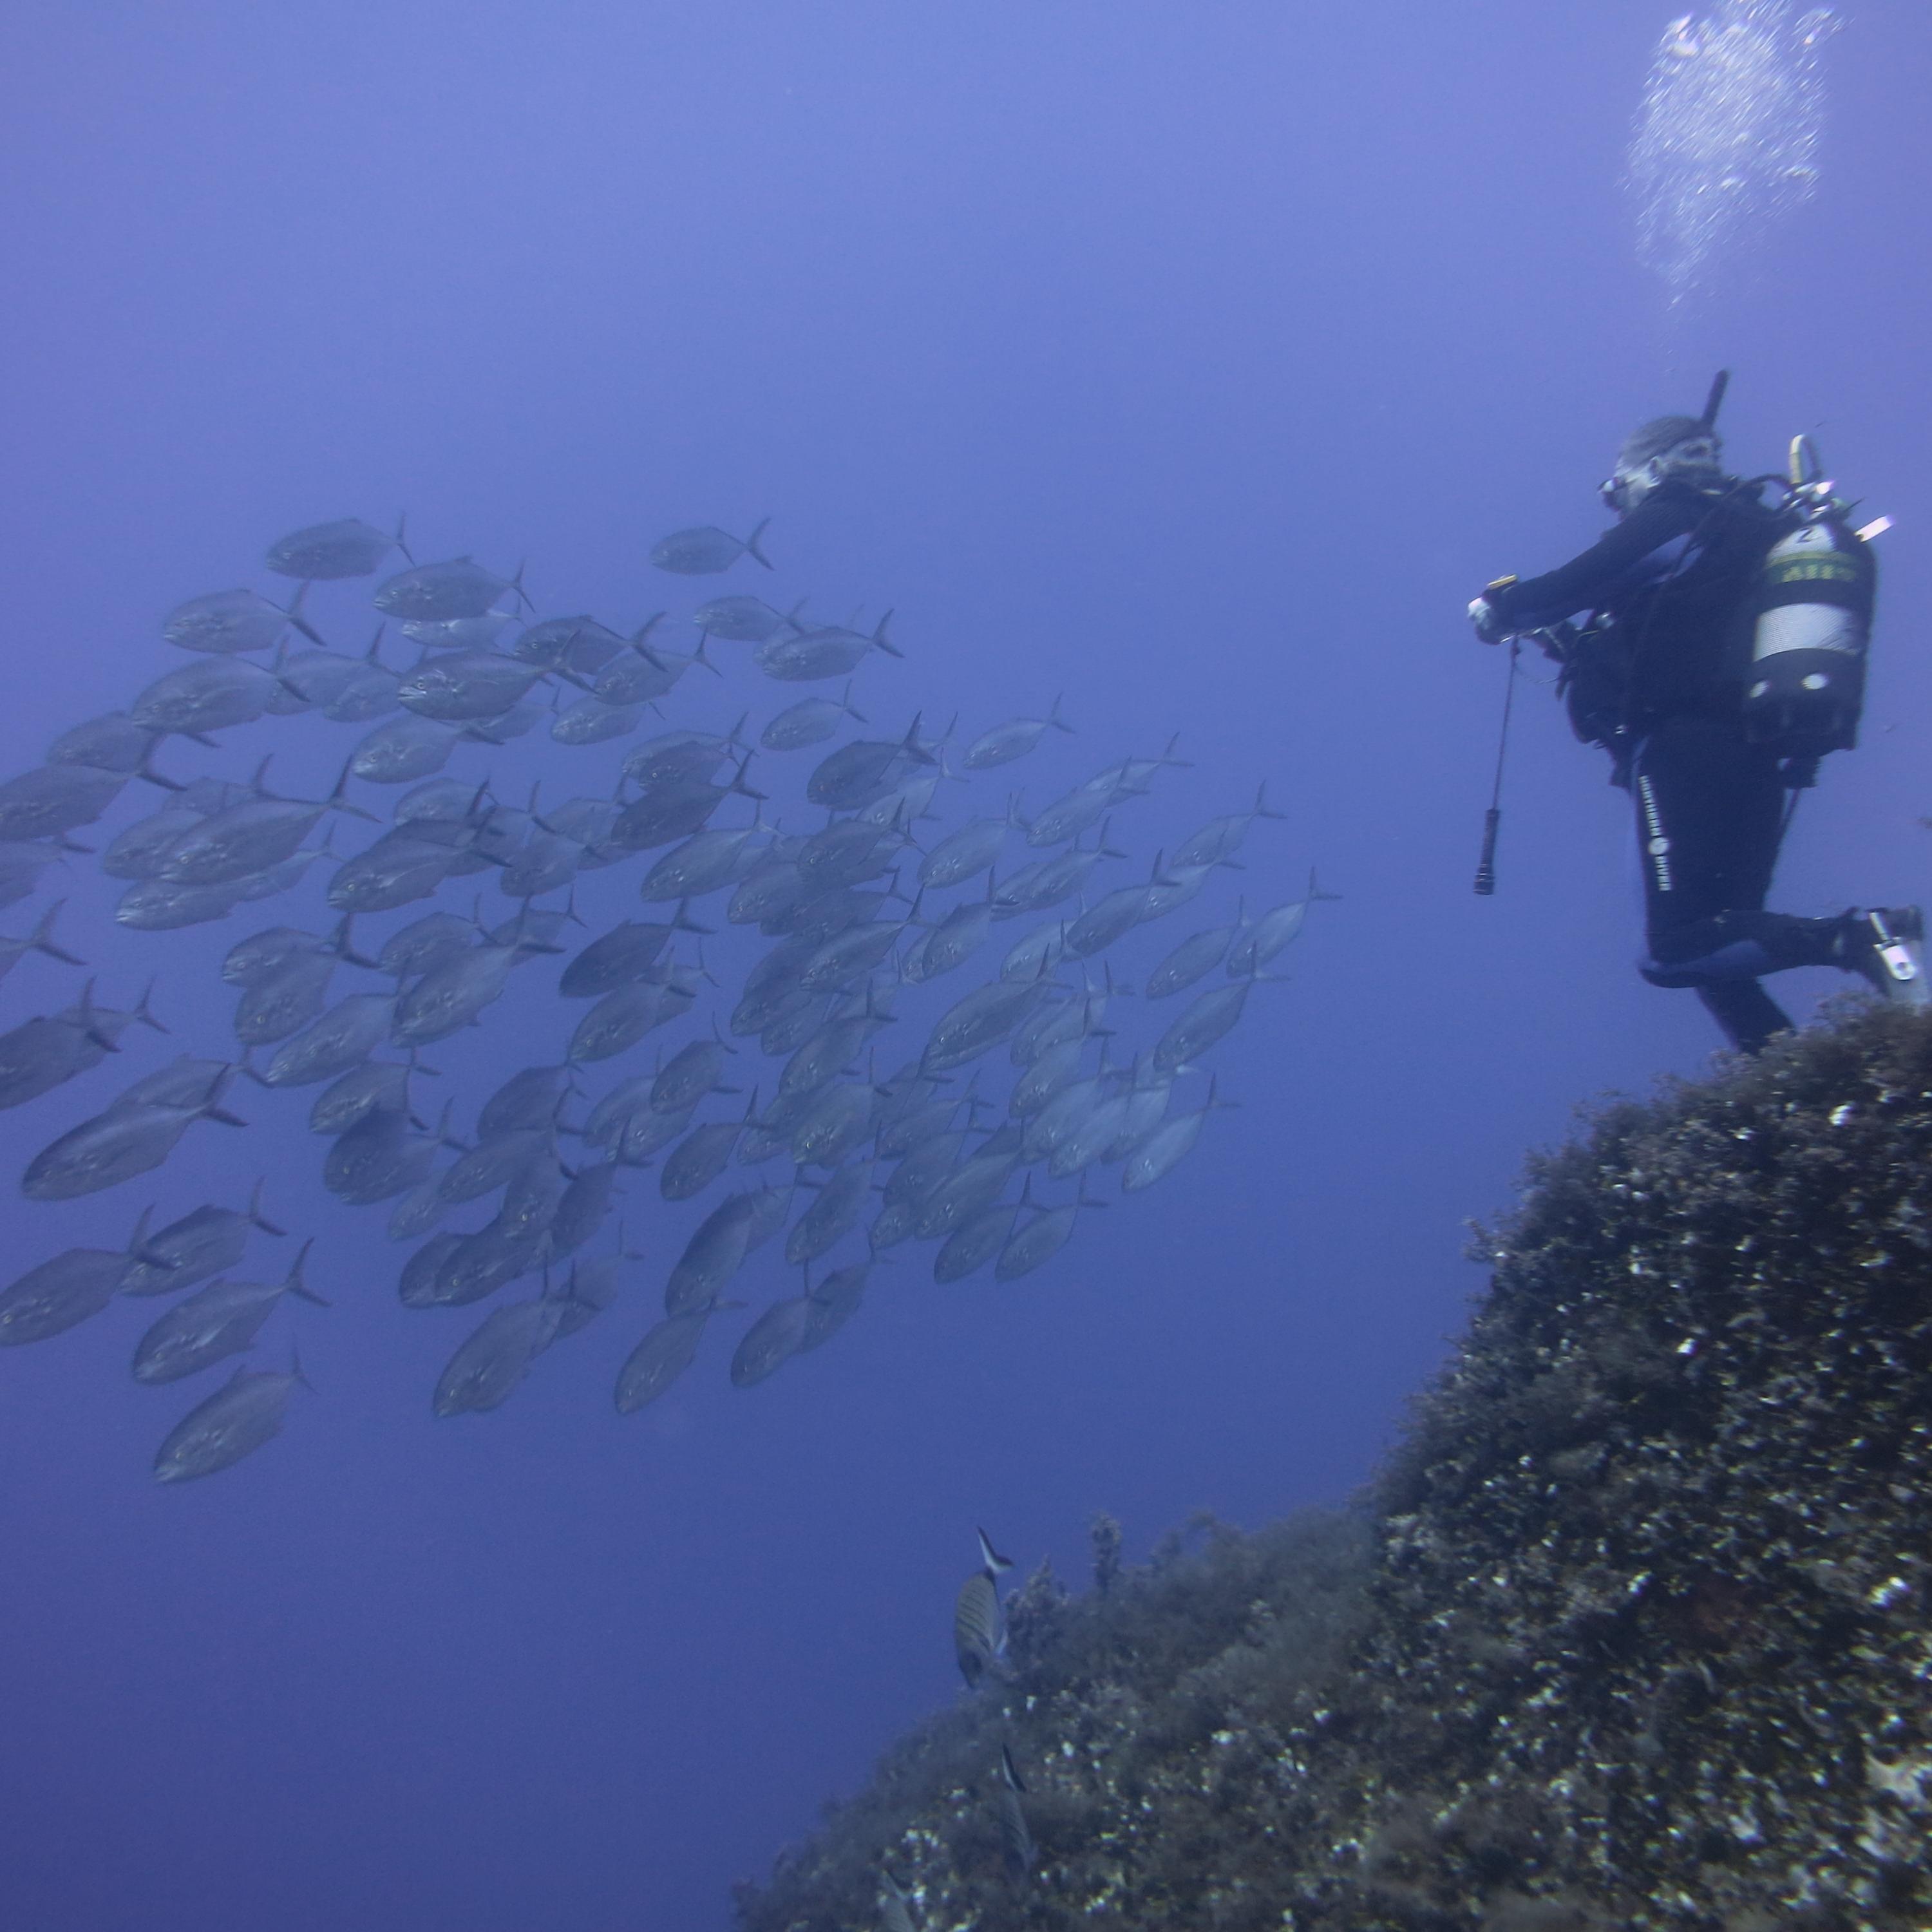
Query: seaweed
(1630,1630)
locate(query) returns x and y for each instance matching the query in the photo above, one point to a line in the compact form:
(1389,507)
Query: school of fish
(869,890)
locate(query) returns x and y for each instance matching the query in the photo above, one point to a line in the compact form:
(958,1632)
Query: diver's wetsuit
(1661,686)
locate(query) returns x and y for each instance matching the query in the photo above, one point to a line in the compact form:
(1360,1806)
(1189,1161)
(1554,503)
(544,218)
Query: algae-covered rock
(1633,1631)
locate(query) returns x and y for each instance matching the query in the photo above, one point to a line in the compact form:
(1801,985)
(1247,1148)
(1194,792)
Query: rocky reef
(1634,1630)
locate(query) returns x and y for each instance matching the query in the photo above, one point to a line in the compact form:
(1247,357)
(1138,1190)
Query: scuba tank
(1810,612)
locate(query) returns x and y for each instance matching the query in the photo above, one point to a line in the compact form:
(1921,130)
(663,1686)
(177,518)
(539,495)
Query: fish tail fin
(699,655)
(1314,892)
(990,1560)
(845,704)
(42,940)
(682,922)
(1262,808)
(145,771)
(295,1284)
(144,1013)
(1053,717)
(402,516)
(255,1216)
(751,542)
(1167,757)
(295,1369)
(138,1239)
(338,800)
(516,585)
(374,655)
(884,643)
(295,617)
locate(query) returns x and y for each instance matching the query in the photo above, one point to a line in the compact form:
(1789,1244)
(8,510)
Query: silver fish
(344,1037)
(960,855)
(42,1053)
(672,755)
(705,549)
(370,693)
(424,944)
(375,1087)
(804,657)
(865,769)
(986,1016)
(397,868)
(1220,838)
(232,620)
(832,1304)
(209,695)
(459,588)
(968,1192)
(53,799)
(404,748)
(742,620)
(1039,952)
(458,634)
(478,1264)
(705,862)
(974,1242)
(140,850)
(111,743)
(1167,1147)
(112,1148)
(379,1158)
(249,838)
(232,1423)
(214,1322)
(62,1293)
(528,1099)
(838,1122)
(262,955)
(496,1162)
(589,721)
(674,809)
(1272,933)
(1013,739)
(770,1342)
(490,1363)
(573,643)
(832,1216)
(1210,1017)
(1042,1238)
(272,1009)
(1193,959)
(666,1351)
(620,1019)
(695,1069)
(584,1204)
(624,953)
(703,1155)
(463,687)
(712,1256)
(346,547)
(810,722)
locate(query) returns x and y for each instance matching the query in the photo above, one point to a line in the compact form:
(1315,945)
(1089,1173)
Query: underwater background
(1197,363)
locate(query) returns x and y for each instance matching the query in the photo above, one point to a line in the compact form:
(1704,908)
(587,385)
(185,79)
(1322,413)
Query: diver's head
(1667,448)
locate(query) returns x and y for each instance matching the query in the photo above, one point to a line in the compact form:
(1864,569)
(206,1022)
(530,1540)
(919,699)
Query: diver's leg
(1710,808)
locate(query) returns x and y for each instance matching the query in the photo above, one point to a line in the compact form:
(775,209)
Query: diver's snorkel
(1631,482)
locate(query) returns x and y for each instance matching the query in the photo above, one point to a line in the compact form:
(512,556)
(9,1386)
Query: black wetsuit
(1657,678)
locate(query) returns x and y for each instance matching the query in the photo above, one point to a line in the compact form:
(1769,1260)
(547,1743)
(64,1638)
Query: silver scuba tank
(1812,614)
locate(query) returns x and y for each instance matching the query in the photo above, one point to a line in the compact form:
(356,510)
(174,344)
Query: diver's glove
(1488,622)
(1490,625)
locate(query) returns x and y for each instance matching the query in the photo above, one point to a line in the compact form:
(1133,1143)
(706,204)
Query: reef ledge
(1633,1630)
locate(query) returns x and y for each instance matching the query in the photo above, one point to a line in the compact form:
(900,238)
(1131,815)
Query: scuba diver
(1714,643)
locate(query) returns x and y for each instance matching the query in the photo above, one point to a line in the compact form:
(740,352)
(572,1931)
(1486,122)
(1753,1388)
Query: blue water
(1199,361)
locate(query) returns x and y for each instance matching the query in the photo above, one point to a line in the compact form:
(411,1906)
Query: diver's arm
(1645,547)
